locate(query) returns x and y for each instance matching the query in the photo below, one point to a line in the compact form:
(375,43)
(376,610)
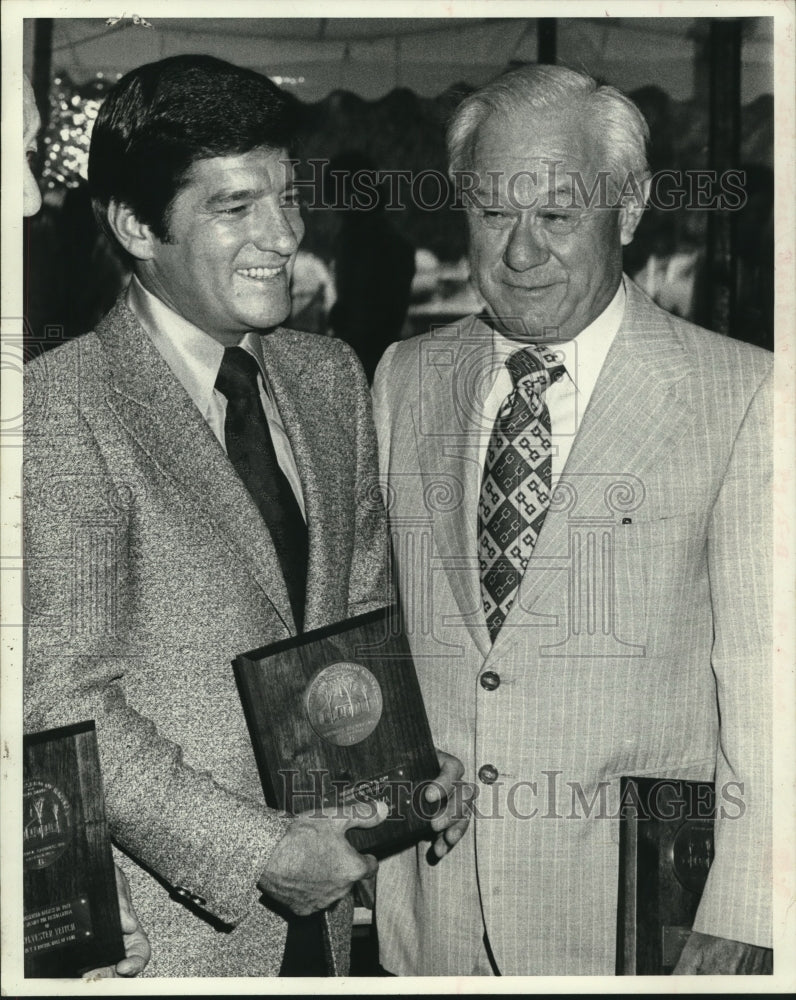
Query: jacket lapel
(291,378)
(154,409)
(447,439)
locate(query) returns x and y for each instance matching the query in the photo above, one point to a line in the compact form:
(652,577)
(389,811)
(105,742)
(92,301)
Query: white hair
(618,126)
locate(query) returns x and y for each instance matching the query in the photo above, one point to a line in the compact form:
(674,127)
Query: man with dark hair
(199,482)
(169,114)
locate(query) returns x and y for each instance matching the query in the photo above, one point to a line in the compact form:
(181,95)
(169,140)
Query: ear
(136,237)
(633,205)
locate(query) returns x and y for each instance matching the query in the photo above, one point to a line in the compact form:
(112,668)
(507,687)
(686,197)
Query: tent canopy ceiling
(370,56)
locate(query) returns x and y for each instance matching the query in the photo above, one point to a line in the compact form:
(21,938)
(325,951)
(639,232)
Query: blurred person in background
(373,263)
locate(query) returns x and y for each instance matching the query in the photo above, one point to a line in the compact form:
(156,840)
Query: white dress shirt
(195,358)
(567,399)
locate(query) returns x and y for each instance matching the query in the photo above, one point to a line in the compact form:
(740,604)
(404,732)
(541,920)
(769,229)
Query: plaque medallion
(692,853)
(343,703)
(46,824)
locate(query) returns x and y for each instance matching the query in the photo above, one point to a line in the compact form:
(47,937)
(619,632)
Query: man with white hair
(580,497)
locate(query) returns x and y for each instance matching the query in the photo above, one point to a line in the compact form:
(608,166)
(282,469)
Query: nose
(277,230)
(524,249)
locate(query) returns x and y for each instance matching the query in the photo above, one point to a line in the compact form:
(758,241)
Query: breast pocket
(661,570)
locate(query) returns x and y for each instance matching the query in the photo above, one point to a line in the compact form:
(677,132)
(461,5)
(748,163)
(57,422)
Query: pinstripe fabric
(659,536)
(148,570)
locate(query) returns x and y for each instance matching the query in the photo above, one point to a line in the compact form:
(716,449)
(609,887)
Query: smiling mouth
(529,288)
(261,273)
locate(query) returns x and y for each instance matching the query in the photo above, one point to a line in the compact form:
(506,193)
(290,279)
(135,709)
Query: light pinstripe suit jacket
(639,644)
(148,570)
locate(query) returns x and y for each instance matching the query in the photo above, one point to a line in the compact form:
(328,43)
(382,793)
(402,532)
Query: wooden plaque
(71,907)
(665,852)
(336,715)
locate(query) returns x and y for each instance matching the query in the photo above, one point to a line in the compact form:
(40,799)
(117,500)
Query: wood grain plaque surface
(71,908)
(336,715)
(665,852)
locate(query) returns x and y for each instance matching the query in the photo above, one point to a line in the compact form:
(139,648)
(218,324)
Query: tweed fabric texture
(639,644)
(148,569)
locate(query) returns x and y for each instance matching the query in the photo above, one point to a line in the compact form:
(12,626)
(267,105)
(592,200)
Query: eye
(30,156)
(233,210)
(560,222)
(495,218)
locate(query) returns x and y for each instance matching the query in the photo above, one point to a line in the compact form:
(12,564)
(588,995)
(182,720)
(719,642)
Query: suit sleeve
(736,903)
(177,821)
(369,585)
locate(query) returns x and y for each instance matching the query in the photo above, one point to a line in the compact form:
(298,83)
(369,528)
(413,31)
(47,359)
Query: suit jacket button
(489,680)
(488,773)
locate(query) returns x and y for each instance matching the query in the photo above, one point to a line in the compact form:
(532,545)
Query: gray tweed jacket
(148,570)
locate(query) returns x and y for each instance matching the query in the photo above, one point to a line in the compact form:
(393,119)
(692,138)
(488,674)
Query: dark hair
(159,119)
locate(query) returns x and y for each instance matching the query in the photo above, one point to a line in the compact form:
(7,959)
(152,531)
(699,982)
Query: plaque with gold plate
(71,908)
(336,716)
(665,853)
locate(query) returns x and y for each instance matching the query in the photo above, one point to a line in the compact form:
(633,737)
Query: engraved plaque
(53,927)
(665,853)
(71,910)
(336,716)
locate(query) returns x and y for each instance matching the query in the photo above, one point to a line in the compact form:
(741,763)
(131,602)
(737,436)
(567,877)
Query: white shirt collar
(193,355)
(584,355)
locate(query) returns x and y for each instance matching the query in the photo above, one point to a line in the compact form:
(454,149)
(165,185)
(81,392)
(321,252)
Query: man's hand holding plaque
(708,955)
(314,865)
(456,797)
(137,951)
(450,824)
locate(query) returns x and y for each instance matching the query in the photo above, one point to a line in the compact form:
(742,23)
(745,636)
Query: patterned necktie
(515,490)
(251,450)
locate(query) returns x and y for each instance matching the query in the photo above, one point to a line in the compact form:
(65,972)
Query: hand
(457,795)
(136,944)
(314,865)
(706,955)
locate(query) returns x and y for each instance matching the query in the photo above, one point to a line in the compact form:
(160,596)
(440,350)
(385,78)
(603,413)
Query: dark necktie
(515,489)
(251,450)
